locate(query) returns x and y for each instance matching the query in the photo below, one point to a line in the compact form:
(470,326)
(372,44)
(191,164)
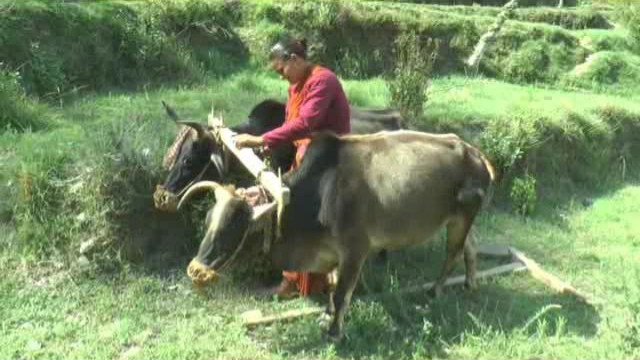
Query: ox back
(398,187)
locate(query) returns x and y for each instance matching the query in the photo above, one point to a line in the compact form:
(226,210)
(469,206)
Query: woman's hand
(246,140)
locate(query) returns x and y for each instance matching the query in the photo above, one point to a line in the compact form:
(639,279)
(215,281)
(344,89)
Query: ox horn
(196,188)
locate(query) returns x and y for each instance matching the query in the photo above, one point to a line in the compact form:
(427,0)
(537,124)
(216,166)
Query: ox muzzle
(164,200)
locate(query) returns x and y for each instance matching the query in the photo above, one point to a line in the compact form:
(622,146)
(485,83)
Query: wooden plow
(271,182)
(519,262)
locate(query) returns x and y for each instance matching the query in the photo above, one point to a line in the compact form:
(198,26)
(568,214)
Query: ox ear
(172,113)
(199,128)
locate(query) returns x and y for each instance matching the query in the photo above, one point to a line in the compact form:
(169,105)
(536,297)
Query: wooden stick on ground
(456,280)
(521,263)
(255,317)
(494,251)
(548,279)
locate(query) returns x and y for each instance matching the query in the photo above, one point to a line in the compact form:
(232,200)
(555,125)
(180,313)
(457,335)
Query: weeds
(507,141)
(524,195)
(18,111)
(414,64)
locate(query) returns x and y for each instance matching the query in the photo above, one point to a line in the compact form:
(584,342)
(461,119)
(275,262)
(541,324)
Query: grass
(132,44)
(82,169)
(463,99)
(569,18)
(143,306)
(145,313)
(605,40)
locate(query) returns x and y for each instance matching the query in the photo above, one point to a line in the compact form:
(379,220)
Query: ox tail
(477,190)
(488,165)
(492,175)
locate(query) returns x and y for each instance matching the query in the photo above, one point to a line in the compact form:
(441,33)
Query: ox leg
(349,272)
(457,231)
(470,256)
(332,279)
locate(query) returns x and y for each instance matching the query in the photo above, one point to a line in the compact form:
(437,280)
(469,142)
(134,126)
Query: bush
(524,195)
(568,19)
(615,70)
(529,63)
(17,110)
(571,19)
(625,148)
(61,47)
(92,184)
(414,64)
(38,181)
(629,13)
(507,141)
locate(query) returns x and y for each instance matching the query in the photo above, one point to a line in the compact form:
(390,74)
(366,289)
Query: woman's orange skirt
(307,283)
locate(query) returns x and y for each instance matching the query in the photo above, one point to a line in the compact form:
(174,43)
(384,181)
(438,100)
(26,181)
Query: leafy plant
(412,73)
(506,141)
(18,111)
(523,194)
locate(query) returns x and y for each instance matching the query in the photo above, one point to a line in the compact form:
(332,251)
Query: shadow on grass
(416,325)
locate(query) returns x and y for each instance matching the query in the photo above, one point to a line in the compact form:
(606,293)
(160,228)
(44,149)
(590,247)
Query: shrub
(17,110)
(523,194)
(37,184)
(414,64)
(506,141)
(629,13)
(528,63)
(618,71)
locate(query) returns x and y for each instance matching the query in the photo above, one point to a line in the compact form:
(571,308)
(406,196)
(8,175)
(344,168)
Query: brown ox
(354,195)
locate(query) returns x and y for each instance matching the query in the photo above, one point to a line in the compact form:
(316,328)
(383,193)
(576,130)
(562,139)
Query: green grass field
(147,309)
(142,312)
(83,134)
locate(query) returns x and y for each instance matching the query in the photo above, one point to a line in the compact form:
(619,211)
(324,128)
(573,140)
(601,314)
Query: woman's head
(289,59)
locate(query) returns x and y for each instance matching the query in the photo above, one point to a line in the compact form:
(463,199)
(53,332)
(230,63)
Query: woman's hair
(284,48)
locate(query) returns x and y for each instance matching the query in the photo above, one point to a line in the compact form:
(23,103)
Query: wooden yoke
(269,180)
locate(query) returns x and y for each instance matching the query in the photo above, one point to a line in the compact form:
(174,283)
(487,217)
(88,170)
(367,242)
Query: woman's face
(291,69)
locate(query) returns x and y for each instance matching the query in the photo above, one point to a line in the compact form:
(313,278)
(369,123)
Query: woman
(316,102)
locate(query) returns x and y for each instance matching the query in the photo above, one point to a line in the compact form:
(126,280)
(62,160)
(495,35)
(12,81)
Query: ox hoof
(435,291)
(471,285)
(382,258)
(335,336)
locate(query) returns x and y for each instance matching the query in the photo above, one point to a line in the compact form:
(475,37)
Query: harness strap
(197,178)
